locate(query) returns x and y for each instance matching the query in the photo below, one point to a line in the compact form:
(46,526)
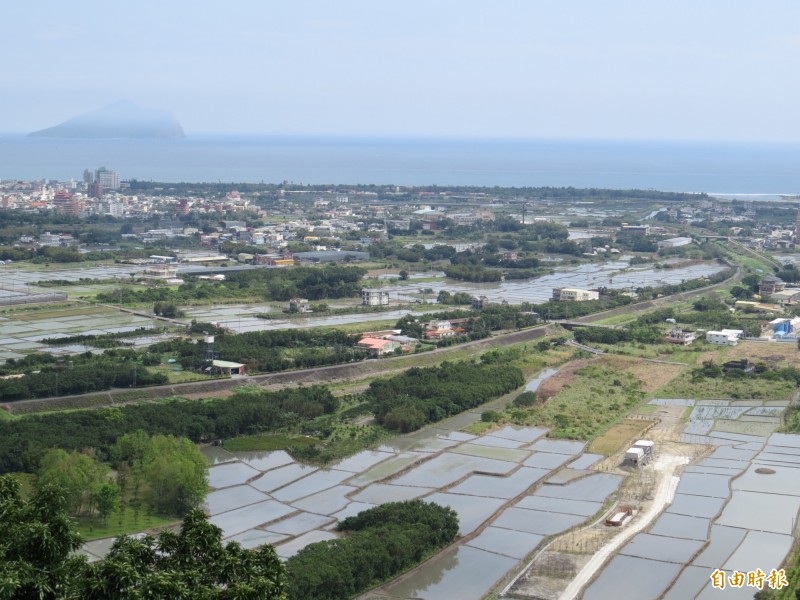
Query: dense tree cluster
(601,335)
(380,543)
(38,560)
(37,544)
(23,441)
(710,313)
(418,396)
(83,373)
(100,340)
(461,298)
(712,370)
(174,472)
(80,475)
(314,283)
(193,563)
(270,351)
(473,273)
(478,324)
(571,310)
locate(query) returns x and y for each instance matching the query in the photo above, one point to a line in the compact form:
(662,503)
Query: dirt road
(665,467)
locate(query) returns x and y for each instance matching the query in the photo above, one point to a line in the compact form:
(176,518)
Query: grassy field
(345,440)
(596,397)
(782,354)
(268,442)
(121,522)
(479,427)
(532,361)
(721,387)
(362,326)
(179,375)
(51,311)
(618,435)
(125,521)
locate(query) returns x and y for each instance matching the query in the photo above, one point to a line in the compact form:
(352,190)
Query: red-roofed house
(377,346)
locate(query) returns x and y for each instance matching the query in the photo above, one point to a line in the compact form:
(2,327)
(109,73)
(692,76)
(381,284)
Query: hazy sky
(671,69)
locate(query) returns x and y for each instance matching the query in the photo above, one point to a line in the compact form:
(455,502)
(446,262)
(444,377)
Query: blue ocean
(752,170)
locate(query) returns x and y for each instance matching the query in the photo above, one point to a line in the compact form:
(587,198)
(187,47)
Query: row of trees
(473,273)
(269,284)
(24,441)
(600,335)
(270,351)
(101,340)
(83,373)
(381,542)
(419,396)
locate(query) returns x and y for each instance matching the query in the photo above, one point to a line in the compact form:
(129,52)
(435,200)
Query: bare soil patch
(548,576)
(775,354)
(552,385)
(652,375)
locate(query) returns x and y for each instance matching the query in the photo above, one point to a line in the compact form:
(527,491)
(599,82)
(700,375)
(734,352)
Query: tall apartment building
(797,229)
(109,180)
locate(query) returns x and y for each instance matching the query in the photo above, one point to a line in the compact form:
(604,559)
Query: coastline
(758,171)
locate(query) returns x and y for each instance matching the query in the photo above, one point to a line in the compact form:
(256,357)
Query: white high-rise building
(116,208)
(108,180)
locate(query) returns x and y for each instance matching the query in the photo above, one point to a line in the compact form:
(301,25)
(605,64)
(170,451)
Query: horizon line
(417,138)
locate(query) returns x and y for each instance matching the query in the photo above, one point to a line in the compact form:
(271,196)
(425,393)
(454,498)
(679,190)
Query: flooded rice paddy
(616,274)
(724,514)
(513,488)
(505,507)
(22,331)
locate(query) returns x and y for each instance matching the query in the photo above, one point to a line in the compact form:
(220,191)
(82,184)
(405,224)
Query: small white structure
(679,336)
(226,367)
(647,446)
(674,242)
(635,456)
(162,271)
(724,337)
(374,297)
(574,295)
(621,517)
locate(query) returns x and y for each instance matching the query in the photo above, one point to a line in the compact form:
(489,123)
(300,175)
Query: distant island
(119,120)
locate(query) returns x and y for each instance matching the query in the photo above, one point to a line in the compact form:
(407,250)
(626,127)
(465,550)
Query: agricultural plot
(737,509)
(266,497)
(723,387)
(241,318)
(22,330)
